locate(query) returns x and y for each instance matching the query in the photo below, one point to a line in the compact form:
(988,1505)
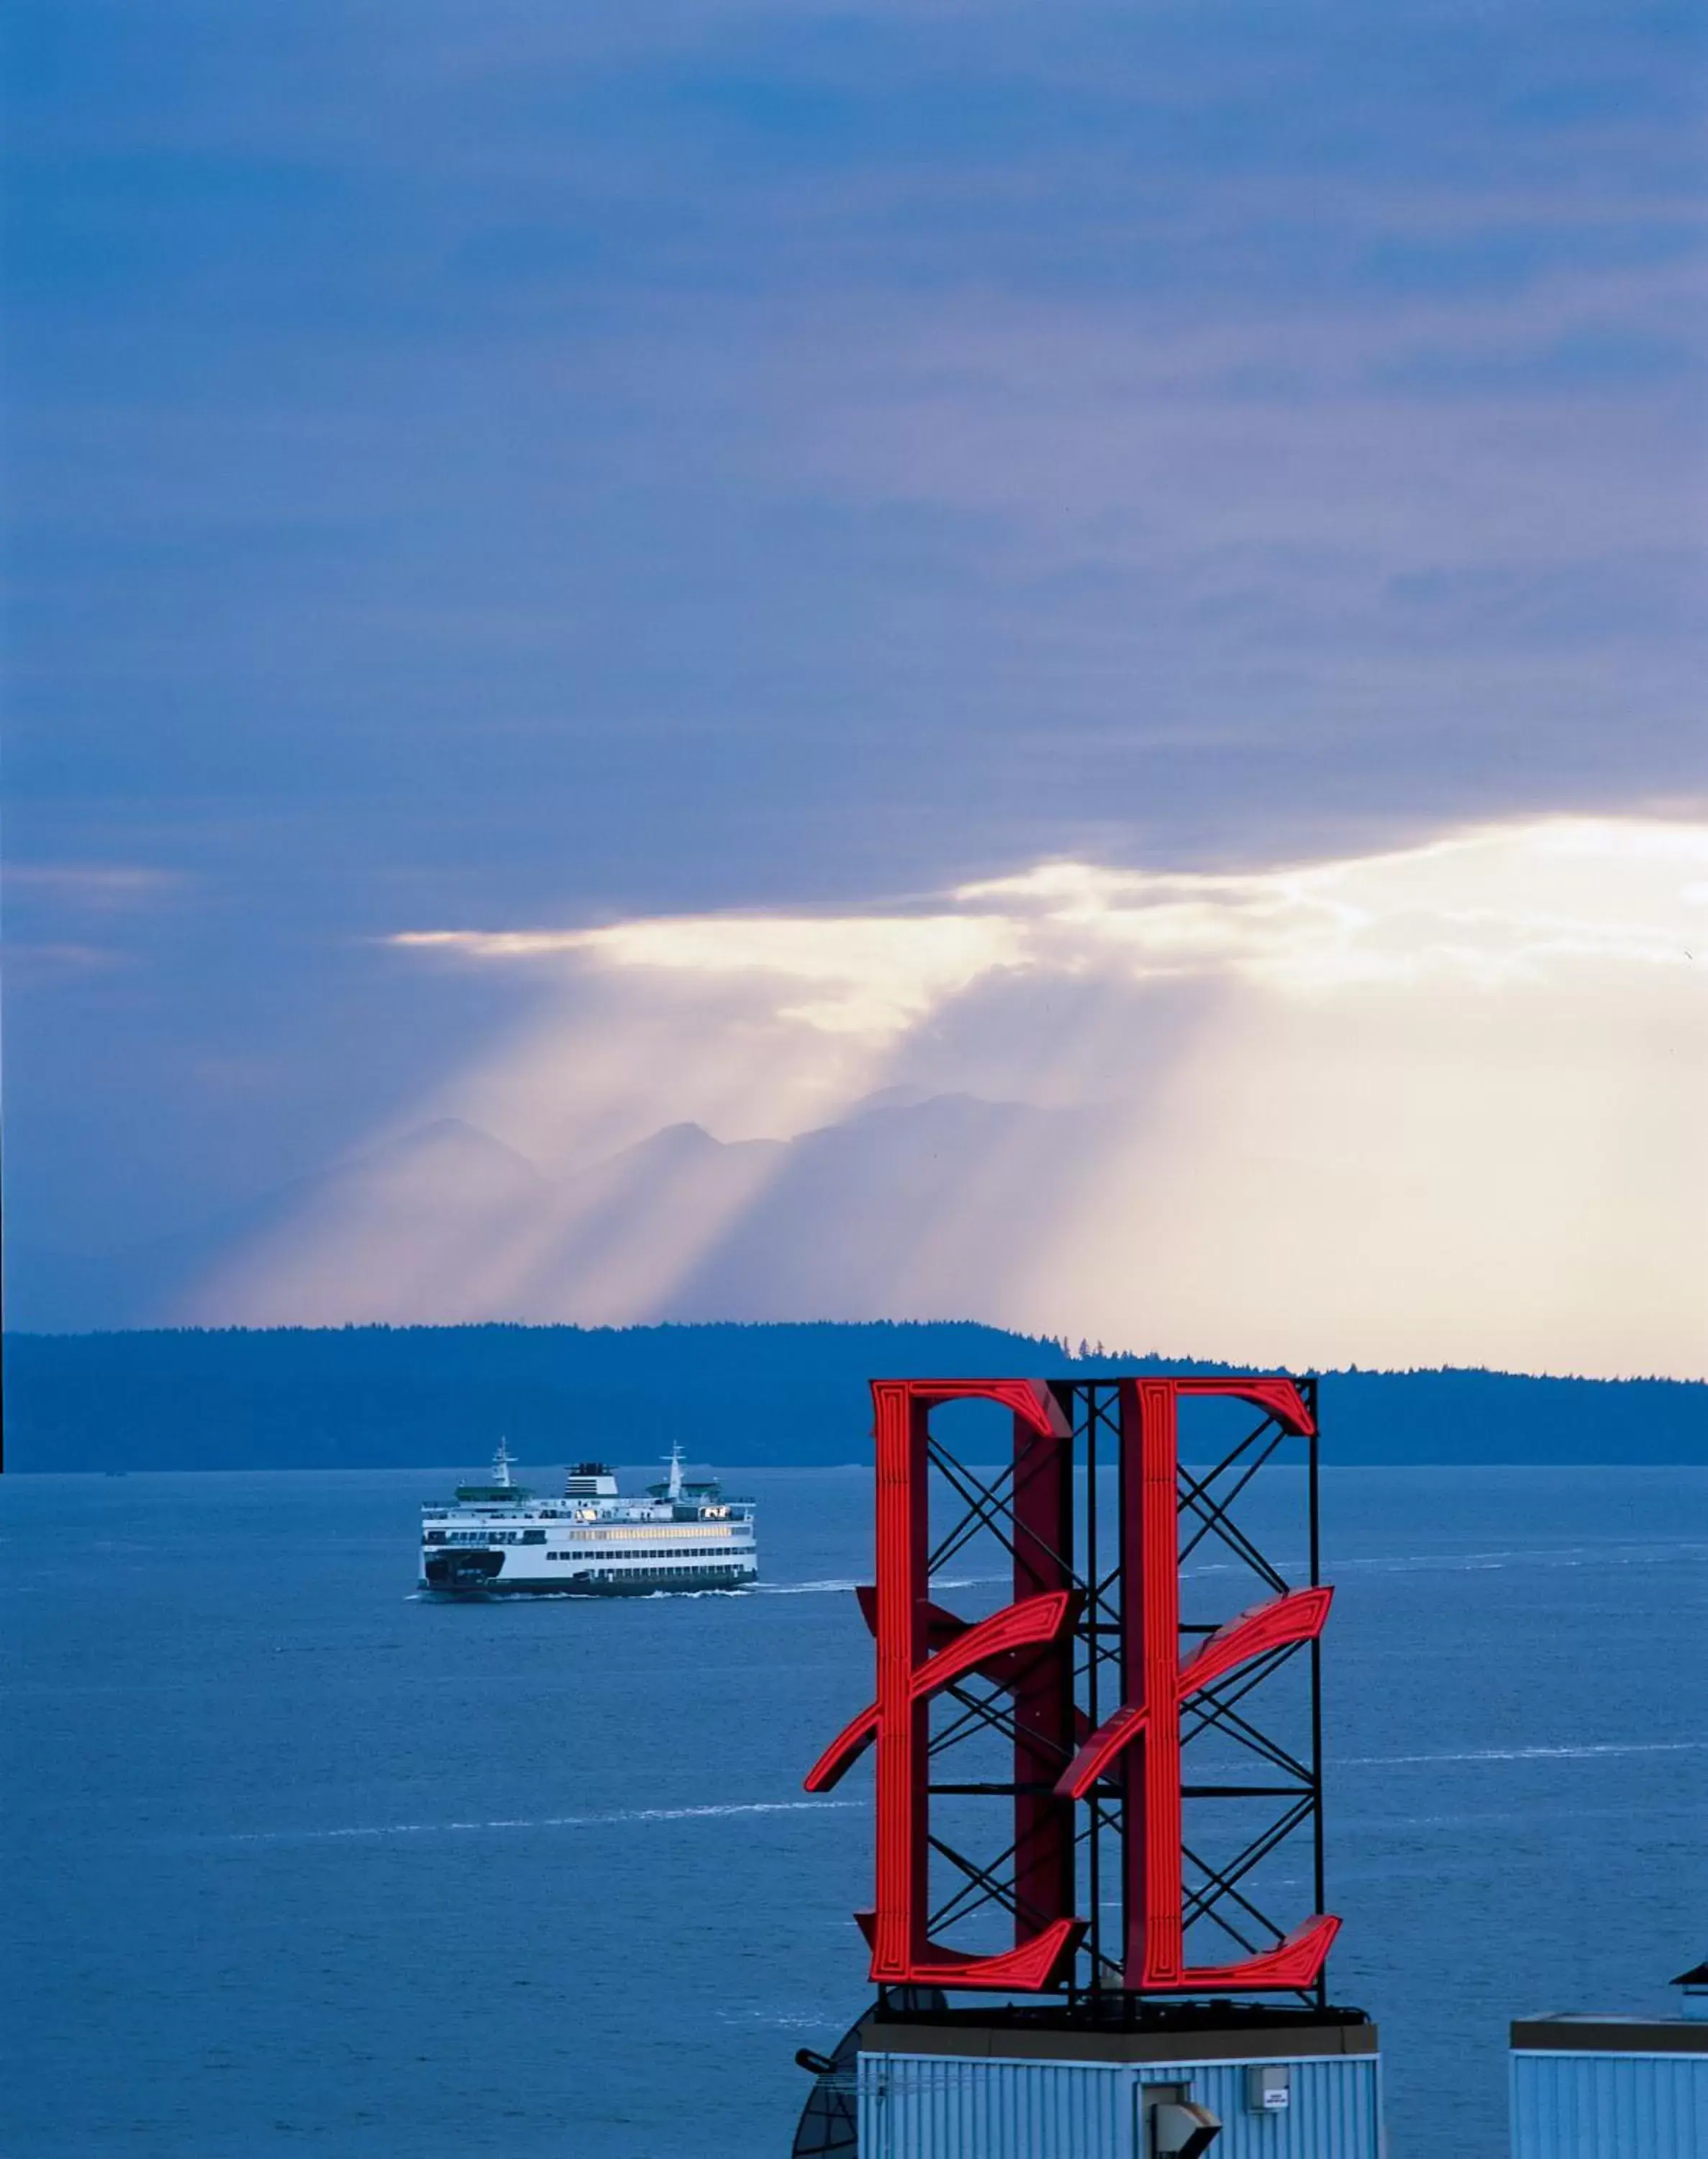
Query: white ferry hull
(681,1537)
(634,1584)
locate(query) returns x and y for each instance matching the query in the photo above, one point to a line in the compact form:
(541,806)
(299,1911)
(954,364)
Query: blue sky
(480,467)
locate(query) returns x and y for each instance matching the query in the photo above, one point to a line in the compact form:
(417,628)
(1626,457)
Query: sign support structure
(1099,1789)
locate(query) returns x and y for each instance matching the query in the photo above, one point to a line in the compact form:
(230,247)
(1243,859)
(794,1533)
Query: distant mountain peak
(899,1097)
(447,1135)
(684,1138)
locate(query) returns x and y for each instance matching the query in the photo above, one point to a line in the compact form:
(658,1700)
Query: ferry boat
(498,1539)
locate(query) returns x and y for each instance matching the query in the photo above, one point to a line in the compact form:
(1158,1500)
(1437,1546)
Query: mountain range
(909,1203)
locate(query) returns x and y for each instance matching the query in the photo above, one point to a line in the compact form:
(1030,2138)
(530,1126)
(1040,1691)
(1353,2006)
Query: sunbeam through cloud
(1393,1107)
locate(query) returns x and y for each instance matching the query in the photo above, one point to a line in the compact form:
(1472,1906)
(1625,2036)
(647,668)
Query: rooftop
(1578,2034)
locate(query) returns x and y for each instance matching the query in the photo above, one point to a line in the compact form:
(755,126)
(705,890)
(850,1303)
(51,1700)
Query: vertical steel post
(1085,1400)
(903,1541)
(1307,1388)
(1041,1506)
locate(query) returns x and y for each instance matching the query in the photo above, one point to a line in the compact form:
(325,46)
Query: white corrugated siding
(1609,2106)
(1336,2111)
(925,2106)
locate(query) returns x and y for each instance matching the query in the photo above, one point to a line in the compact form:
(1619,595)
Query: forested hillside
(370,1397)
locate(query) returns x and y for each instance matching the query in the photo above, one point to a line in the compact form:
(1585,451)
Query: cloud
(1502,905)
(106,886)
(73,923)
(863,974)
(705,457)
(31,964)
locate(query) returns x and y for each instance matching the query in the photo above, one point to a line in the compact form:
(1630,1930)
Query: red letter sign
(1157,1684)
(1028,1648)
(907,1625)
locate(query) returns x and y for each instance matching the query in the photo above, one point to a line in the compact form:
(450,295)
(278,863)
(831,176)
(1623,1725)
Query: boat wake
(611,1818)
(847,1588)
(1580,1754)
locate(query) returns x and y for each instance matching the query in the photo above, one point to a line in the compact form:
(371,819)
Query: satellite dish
(829,2123)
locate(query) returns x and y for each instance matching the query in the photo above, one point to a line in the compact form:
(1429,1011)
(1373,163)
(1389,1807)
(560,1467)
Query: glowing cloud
(862,973)
(1496,905)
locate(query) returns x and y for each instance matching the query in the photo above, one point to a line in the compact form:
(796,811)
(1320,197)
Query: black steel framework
(1085,1560)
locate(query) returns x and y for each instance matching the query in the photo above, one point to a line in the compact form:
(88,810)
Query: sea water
(297,1863)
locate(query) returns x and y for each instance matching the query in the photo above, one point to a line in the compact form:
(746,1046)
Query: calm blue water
(296,1864)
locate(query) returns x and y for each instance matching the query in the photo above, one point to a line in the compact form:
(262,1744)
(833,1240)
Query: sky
(1114,548)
